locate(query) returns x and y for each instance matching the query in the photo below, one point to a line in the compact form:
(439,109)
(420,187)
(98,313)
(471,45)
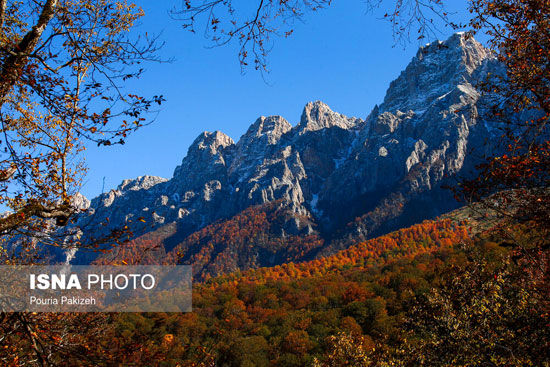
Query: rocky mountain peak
(317,115)
(460,48)
(79,201)
(270,128)
(140,183)
(437,68)
(211,142)
(473,52)
(260,137)
(207,150)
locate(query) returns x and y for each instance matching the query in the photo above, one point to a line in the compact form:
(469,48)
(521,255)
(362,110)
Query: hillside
(368,302)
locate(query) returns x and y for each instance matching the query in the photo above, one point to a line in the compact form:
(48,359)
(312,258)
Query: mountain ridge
(341,178)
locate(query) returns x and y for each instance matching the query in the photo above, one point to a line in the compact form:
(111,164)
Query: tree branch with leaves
(63,84)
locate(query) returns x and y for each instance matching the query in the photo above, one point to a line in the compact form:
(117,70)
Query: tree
(488,312)
(520,33)
(64,67)
(55,339)
(346,350)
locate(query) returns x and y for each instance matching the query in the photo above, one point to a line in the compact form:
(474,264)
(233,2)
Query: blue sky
(343,56)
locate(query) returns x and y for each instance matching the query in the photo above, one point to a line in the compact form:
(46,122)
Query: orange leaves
(168,339)
(426,237)
(235,243)
(292,308)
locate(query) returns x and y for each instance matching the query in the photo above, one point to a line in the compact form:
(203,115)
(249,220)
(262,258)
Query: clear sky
(343,56)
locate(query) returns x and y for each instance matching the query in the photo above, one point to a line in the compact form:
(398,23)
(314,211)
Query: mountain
(330,178)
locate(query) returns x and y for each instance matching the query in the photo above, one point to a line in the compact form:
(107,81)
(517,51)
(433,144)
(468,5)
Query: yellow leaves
(168,339)
(45,112)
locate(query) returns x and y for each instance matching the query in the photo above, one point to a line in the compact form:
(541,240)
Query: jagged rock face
(420,135)
(435,70)
(330,168)
(317,116)
(259,158)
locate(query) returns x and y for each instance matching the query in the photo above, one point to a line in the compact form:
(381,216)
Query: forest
(414,296)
